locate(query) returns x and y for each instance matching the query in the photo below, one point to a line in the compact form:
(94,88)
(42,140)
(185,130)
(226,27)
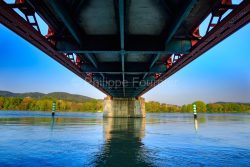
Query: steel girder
(16,23)
(236,19)
(182,55)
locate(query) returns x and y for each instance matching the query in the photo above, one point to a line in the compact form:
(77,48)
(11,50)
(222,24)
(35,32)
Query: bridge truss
(144,57)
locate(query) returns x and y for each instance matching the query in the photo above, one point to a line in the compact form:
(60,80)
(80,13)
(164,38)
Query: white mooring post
(53,108)
(195,112)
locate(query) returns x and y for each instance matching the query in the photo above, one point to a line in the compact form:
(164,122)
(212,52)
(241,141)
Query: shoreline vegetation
(218,107)
(69,102)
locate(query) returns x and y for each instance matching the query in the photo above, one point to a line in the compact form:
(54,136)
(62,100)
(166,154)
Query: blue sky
(221,74)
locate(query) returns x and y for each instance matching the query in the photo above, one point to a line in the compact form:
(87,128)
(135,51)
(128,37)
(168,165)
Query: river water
(86,139)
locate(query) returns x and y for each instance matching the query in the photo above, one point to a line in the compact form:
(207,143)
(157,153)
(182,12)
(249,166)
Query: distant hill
(69,97)
(56,95)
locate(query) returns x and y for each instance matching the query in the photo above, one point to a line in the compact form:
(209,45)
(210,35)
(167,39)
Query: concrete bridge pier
(124,107)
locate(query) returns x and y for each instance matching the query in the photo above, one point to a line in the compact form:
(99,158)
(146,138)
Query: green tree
(25,104)
(214,107)
(200,106)
(184,108)
(1,102)
(189,108)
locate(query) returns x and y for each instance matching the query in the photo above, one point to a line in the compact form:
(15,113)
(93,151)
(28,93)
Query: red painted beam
(239,17)
(17,24)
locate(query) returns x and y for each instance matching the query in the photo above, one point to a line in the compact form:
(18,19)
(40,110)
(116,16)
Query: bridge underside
(124,47)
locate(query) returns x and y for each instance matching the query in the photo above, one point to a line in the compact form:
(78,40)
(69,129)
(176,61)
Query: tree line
(45,104)
(200,105)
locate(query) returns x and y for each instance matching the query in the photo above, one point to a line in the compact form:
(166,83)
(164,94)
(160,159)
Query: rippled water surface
(87,139)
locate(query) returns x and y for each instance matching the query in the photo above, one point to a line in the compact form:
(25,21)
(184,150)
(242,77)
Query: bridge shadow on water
(123,143)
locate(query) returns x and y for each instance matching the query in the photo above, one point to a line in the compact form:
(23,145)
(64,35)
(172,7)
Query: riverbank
(218,107)
(158,112)
(93,105)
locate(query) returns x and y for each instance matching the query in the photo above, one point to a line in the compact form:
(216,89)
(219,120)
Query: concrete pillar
(124,107)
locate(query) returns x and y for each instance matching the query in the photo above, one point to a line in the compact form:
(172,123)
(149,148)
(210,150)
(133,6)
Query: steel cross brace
(235,20)
(17,24)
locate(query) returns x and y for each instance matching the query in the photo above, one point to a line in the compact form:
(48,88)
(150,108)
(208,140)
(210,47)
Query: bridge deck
(115,44)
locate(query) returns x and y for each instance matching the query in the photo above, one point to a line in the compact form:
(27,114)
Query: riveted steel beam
(155,58)
(122,38)
(17,24)
(181,16)
(108,44)
(62,12)
(235,20)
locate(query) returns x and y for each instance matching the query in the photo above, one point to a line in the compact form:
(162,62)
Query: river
(87,139)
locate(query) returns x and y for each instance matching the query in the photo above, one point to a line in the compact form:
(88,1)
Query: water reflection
(52,123)
(86,139)
(196,124)
(123,146)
